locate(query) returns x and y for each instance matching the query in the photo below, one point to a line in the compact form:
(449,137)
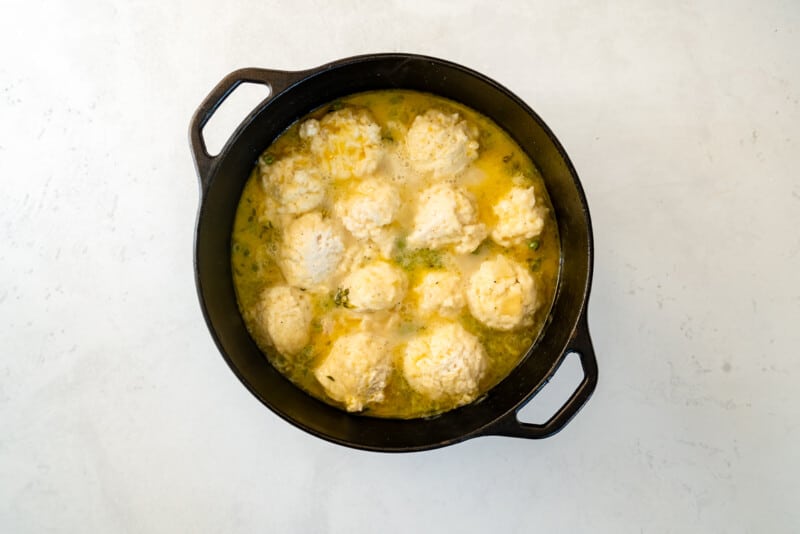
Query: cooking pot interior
(215,222)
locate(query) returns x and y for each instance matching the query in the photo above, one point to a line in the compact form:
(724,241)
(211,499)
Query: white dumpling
(294,183)
(356,370)
(286,314)
(368,208)
(376,286)
(518,217)
(448,362)
(440,292)
(447,216)
(346,142)
(441,144)
(501,294)
(311,250)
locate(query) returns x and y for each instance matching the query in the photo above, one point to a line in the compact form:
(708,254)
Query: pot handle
(275,80)
(581,344)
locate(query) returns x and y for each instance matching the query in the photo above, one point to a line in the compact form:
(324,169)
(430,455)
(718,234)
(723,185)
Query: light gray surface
(118,415)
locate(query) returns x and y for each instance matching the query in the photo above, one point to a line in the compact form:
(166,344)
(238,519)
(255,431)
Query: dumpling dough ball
(311,251)
(447,362)
(347,142)
(357,255)
(440,292)
(441,144)
(376,286)
(371,206)
(286,314)
(447,216)
(294,183)
(501,294)
(518,217)
(356,370)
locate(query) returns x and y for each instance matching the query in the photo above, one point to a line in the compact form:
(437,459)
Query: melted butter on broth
(256,241)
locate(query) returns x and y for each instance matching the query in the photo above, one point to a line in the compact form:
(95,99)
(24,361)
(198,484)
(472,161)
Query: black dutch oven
(294,94)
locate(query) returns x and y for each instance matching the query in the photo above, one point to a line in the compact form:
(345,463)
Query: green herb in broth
(411,260)
(342,297)
(257,241)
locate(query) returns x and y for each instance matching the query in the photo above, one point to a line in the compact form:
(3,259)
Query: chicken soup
(395,254)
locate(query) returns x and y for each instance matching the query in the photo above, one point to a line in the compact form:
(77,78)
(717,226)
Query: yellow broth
(256,240)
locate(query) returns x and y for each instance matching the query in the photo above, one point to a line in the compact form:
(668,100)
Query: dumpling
(518,217)
(447,362)
(370,206)
(285,312)
(441,144)
(294,183)
(440,292)
(356,370)
(357,255)
(346,142)
(446,215)
(501,294)
(376,286)
(311,250)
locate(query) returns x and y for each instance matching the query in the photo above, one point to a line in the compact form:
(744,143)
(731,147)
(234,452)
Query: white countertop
(117,413)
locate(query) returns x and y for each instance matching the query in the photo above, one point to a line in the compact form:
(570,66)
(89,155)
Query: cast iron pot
(292,95)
